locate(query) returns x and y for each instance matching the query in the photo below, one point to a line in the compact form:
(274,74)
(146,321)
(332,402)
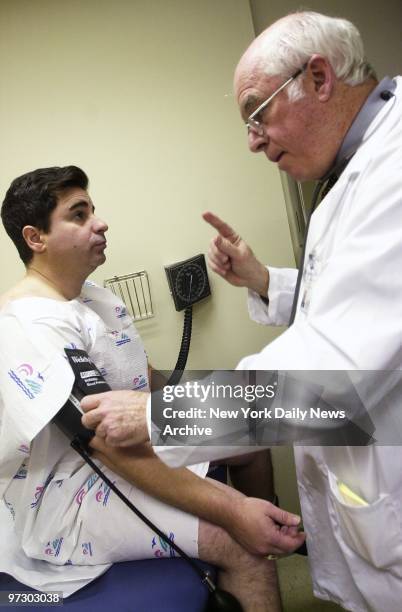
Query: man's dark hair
(32,197)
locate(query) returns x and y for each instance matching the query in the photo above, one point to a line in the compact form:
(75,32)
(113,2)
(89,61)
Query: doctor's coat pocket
(372,532)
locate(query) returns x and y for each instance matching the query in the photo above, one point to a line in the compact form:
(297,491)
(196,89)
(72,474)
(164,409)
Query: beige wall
(139,95)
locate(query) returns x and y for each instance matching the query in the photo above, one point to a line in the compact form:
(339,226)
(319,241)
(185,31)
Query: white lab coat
(349,317)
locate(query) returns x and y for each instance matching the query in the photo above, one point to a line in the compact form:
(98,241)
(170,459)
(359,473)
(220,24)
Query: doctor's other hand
(263,528)
(119,417)
(231,258)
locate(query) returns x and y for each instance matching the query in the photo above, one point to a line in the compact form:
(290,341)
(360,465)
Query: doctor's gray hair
(291,41)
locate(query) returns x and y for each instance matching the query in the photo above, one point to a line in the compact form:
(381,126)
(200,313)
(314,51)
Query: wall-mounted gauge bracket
(188,281)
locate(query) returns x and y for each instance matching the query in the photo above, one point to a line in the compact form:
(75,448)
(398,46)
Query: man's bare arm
(254,523)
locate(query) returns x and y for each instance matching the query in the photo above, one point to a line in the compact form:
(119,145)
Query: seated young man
(60,526)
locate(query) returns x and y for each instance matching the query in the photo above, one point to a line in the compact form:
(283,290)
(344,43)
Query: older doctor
(313,105)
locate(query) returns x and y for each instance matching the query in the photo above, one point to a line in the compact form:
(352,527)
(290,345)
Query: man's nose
(100,225)
(256,142)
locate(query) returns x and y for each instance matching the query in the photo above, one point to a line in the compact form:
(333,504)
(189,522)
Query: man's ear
(323,76)
(34,238)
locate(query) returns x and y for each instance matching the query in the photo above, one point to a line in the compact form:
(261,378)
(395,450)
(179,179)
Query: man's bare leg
(250,578)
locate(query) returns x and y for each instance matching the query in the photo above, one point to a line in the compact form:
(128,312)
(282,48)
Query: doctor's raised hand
(231,258)
(119,417)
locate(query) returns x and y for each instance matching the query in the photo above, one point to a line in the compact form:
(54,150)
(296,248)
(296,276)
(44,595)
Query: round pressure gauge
(188,281)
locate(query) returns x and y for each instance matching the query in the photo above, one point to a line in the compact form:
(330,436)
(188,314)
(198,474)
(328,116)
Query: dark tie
(329,184)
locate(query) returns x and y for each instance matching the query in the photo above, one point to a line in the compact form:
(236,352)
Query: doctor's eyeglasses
(254,122)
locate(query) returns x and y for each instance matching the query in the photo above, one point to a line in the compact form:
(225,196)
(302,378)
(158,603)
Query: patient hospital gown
(60,525)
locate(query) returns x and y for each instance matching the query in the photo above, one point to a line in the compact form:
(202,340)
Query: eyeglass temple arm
(266,102)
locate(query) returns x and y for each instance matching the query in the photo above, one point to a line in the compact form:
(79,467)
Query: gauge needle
(191,282)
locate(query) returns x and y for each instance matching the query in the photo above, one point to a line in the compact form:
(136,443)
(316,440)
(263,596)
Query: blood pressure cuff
(87,381)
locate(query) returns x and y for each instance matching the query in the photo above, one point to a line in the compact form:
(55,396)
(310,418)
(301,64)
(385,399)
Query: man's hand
(230,257)
(119,417)
(262,528)
(257,525)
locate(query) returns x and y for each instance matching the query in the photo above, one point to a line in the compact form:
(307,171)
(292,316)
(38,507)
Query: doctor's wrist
(260,282)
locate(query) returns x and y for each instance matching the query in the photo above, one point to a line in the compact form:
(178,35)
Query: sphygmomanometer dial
(188,281)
